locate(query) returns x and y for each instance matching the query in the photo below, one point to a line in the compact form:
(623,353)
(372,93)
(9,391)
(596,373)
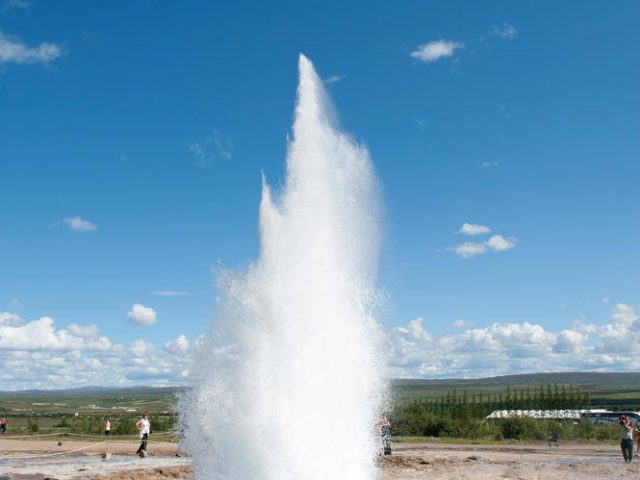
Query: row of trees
(549,397)
(93,424)
(463,415)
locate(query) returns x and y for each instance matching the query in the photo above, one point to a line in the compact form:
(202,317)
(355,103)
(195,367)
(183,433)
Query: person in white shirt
(626,437)
(144,429)
(107,427)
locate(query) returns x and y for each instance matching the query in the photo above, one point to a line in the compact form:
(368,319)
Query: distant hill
(587,380)
(590,381)
(621,389)
(94,390)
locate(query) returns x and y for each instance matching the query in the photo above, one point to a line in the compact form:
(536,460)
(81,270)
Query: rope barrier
(70,434)
(54,454)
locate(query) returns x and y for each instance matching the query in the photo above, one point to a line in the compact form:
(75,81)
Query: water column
(290,380)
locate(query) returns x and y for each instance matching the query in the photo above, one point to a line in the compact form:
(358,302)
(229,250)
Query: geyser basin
(290,380)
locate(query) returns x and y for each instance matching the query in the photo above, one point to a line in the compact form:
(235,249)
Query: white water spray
(290,382)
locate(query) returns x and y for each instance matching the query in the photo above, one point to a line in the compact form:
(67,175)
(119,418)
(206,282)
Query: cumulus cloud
(499,244)
(506,348)
(473,229)
(469,249)
(460,323)
(77,224)
(13,50)
(142,315)
(41,334)
(433,51)
(180,345)
(495,243)
(625,314)
(37,354)
(141,348)
(10,319)
(86,331)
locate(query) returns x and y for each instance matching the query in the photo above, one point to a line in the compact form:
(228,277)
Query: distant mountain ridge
(91,390)
(588,380)
(592,381)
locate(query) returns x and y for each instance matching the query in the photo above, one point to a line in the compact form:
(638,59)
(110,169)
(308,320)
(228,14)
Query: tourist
(383,430)
(107,427)
(626,437)
(3,425)
(636,435)
(144,429)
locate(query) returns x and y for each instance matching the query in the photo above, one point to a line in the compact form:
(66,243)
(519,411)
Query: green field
(82,410)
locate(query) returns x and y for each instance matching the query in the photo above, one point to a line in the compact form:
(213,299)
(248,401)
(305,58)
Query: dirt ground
(25,460)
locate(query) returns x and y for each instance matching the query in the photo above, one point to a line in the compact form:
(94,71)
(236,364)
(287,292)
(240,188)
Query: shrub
(32,425)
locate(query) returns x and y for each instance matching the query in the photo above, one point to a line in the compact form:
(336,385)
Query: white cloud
(12,50)
(506,31)
(625,314)
(433,51)
(41,334)
(11,319)
(473,229)
(140,348)
(15,303)
(38,355)
(569,341)
(460,323)
(499,244)
(142,315)
(87,331)
(170,293)
(506,348)
(496,243)
(469,249)
(604,300)
(334,79)
(489,165)
(180,345)
(77,224)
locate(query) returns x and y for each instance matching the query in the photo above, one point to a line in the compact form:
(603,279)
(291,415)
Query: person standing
(3,425)
(626,437)
(144,428)
(107,427)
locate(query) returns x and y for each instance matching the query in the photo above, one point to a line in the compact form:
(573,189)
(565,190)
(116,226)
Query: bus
(611,418)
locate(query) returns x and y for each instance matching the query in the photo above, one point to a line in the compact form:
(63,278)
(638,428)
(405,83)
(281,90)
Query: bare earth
(408,462)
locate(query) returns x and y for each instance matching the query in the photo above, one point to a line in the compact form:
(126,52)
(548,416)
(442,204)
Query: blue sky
(133,136)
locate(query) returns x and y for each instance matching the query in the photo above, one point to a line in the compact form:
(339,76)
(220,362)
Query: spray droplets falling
(289,383)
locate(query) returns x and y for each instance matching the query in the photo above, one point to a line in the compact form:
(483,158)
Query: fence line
(24,457)
(70,434)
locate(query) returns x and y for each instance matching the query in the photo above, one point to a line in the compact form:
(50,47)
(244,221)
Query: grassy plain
(82,410)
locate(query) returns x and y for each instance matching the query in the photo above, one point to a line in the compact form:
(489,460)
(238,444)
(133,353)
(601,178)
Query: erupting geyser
(290,381)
